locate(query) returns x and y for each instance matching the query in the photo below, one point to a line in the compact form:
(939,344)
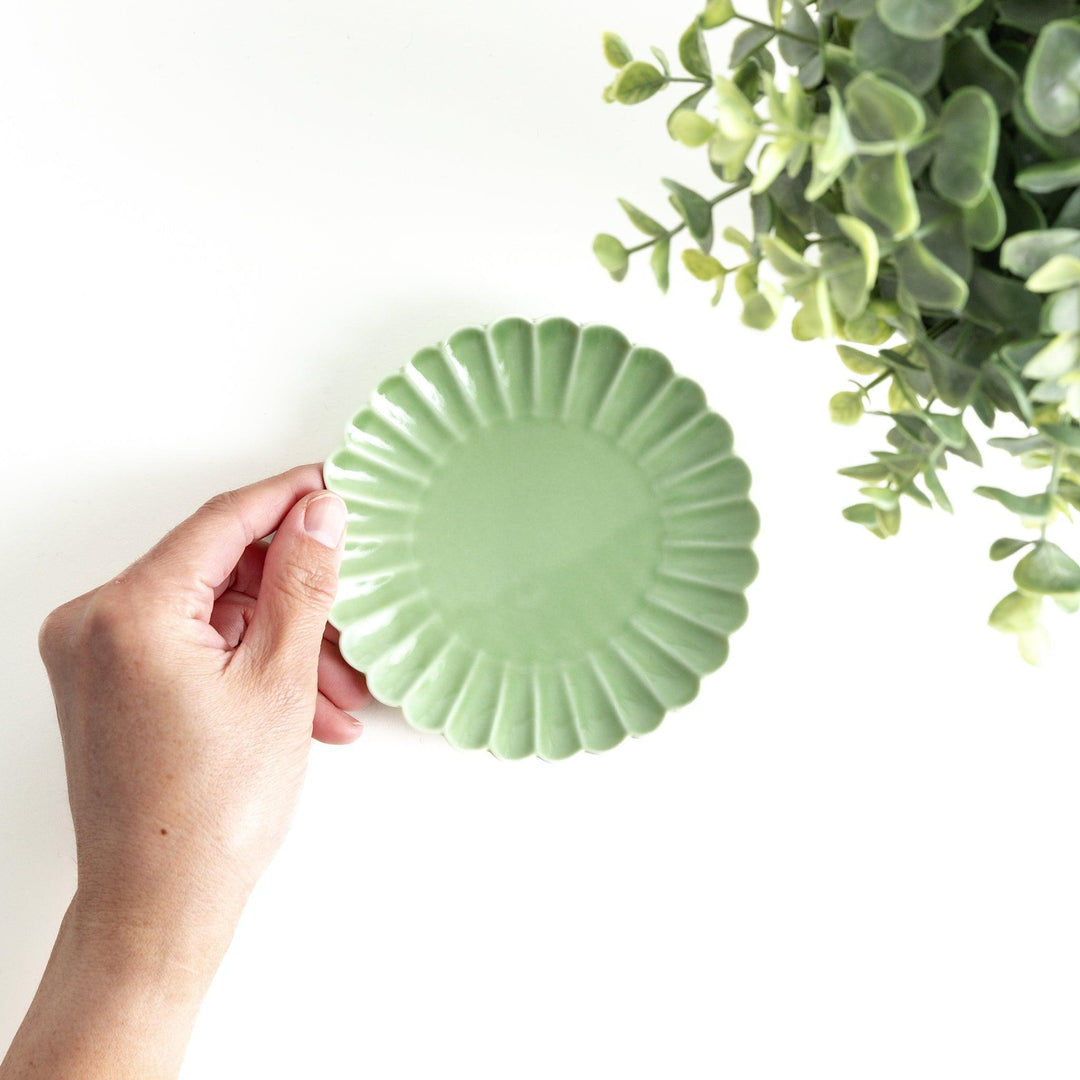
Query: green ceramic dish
(549,539)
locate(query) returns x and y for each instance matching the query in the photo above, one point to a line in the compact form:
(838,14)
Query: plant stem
(1051,488)
(776,29)
(733,190)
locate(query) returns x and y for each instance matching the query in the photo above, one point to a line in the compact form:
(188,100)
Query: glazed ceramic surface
(548,542)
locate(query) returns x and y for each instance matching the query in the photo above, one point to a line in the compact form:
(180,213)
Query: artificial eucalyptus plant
(913,174)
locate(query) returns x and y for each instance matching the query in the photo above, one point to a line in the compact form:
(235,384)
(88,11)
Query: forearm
(114,1002)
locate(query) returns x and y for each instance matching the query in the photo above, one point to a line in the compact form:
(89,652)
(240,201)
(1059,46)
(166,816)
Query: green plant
(913,189)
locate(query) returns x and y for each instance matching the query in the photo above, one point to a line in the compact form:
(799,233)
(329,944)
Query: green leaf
(1067,435)
(1052,79)
(881,112)
(934,484)
(858,361)
(1047,571)
(815,319)
(1032,15)
(882,497)
(659,261)
(661,59)
(717,12)
(691,128)
(1005,547)
(760,308)
(928,279)
(703,267)
(616,51)
(1055,360)
(984,223)
(1061,272)
(874,472)
(637,82)
(612,255)
(694,210)
(850,9)
(923,19)
(1061,313)
(785,260)
(950,429)
(1018,447)
(844,270)
(749,41)
(1017,613)
(971,61)
(642,220)
(846,408)
(883,186)
(865,239)
(693,52)
(1030,507)
(916,64)
(867,329)
(963,167)
(862,514)
(737,129)
(1023,253)
(688,104)
(1050,176)
(834,151)
(1070,603)
(953,380)
(798,24)
(1002,303)
(1034,645)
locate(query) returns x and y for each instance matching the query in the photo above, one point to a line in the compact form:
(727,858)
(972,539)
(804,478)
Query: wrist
(118,998)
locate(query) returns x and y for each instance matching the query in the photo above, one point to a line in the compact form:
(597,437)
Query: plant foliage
(912,169)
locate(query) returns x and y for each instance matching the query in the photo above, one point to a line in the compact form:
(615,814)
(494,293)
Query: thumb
(299,580)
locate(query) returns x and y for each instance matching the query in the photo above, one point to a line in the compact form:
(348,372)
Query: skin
(187,690)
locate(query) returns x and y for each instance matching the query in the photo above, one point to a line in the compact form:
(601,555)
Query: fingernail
(324,520)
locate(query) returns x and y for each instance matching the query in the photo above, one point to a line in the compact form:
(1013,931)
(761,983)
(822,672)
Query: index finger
(202,551)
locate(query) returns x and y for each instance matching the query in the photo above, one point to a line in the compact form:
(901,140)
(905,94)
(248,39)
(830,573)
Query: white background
(855,855)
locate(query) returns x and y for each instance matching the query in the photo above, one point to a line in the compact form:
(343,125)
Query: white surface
(854,856)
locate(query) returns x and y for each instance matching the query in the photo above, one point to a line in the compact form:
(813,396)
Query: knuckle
(307,584)
(225,502)
(55,632)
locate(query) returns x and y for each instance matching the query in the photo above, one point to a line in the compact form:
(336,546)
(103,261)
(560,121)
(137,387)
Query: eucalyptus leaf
(1031,507)
(880,111)
(985,222)
(924,19)
(883,186)
(1047,571)
(971,61)
(928,279)
(1006,547)
(694,210)
(694,53)
(916,64)
(963,167)
(659,262)
(717,12)
(1017,613)
(616,51)
(612,255)
(641,220)
(1061,272)
(1050,176)
(749,41)
(637,82)
(1052,79)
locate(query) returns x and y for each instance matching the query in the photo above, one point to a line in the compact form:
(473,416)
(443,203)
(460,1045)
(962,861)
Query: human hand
(187,690)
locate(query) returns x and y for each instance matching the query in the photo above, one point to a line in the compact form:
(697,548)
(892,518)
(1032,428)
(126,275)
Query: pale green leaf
(963,165)
(1017,613)
(1052,79)
(616,51)
(637,82)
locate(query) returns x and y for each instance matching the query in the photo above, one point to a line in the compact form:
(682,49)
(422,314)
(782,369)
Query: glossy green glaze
(549,539)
